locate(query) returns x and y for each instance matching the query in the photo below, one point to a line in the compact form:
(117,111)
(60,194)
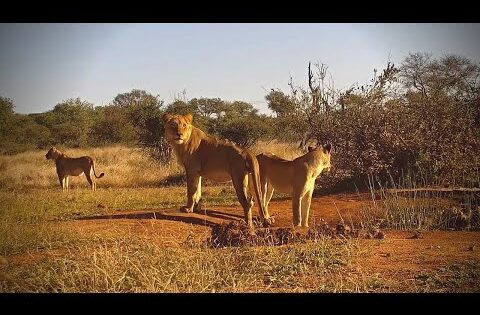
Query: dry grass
(134,264)
(26,216)
(123,167)
(37,254)
(404,207)
(41,252)
(458,278)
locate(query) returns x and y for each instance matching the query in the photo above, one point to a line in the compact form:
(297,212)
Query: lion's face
(178,128)
(52,154)
(325,151)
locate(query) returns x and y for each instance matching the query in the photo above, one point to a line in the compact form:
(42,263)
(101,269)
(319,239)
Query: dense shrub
(422,116)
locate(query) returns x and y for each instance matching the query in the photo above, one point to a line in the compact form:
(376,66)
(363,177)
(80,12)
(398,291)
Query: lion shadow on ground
(199,217)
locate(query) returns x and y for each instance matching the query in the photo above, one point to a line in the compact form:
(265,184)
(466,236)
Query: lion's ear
(327,147)
(189,118)
(166,117)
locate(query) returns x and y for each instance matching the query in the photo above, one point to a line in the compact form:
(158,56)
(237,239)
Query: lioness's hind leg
(268,196)
(264,215)
(92,176)
(90,180)
(251,190)
(246,189)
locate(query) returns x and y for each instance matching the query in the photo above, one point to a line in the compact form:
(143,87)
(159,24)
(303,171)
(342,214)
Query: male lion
(215,159)
(67,166)
(296,178)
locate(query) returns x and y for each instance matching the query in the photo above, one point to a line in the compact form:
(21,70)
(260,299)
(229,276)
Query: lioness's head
(325,151)
(53,154)
(178,128)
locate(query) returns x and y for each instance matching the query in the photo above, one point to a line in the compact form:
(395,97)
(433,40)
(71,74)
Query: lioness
(296,178)
(215,159)
(67,166)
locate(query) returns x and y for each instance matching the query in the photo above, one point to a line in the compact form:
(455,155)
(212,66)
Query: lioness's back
(278,171)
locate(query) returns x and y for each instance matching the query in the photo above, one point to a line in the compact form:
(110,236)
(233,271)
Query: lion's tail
(254,169)
(94,173)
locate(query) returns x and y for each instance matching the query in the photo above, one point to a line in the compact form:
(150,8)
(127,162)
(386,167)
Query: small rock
(3,261)
(380,235)
(343,229)
(347,229)
(416,235)
(355,233)
(101,206)
(472,248)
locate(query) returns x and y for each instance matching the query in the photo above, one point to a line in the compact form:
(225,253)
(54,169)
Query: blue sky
(43,64)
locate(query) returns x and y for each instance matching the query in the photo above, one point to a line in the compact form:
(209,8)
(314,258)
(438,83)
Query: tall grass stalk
(410,204)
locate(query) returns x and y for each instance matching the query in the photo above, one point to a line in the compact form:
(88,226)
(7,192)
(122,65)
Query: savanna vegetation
(414,125)
(422,117)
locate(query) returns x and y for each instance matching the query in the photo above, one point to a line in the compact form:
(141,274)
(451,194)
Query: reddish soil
(171,224)
(170,227)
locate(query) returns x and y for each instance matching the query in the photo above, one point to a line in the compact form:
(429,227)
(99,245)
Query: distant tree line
(131,118)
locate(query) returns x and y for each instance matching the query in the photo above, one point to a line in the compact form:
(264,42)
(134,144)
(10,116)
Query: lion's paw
(269,222)
(197,207)
(186,210)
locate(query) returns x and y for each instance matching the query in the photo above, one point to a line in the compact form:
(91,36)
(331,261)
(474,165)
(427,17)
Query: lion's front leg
(298,201)
(305,210)
(62,180)
(198,196)
(193,192)
(296,206)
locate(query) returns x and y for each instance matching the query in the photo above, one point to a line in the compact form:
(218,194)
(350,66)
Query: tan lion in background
(68,166)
